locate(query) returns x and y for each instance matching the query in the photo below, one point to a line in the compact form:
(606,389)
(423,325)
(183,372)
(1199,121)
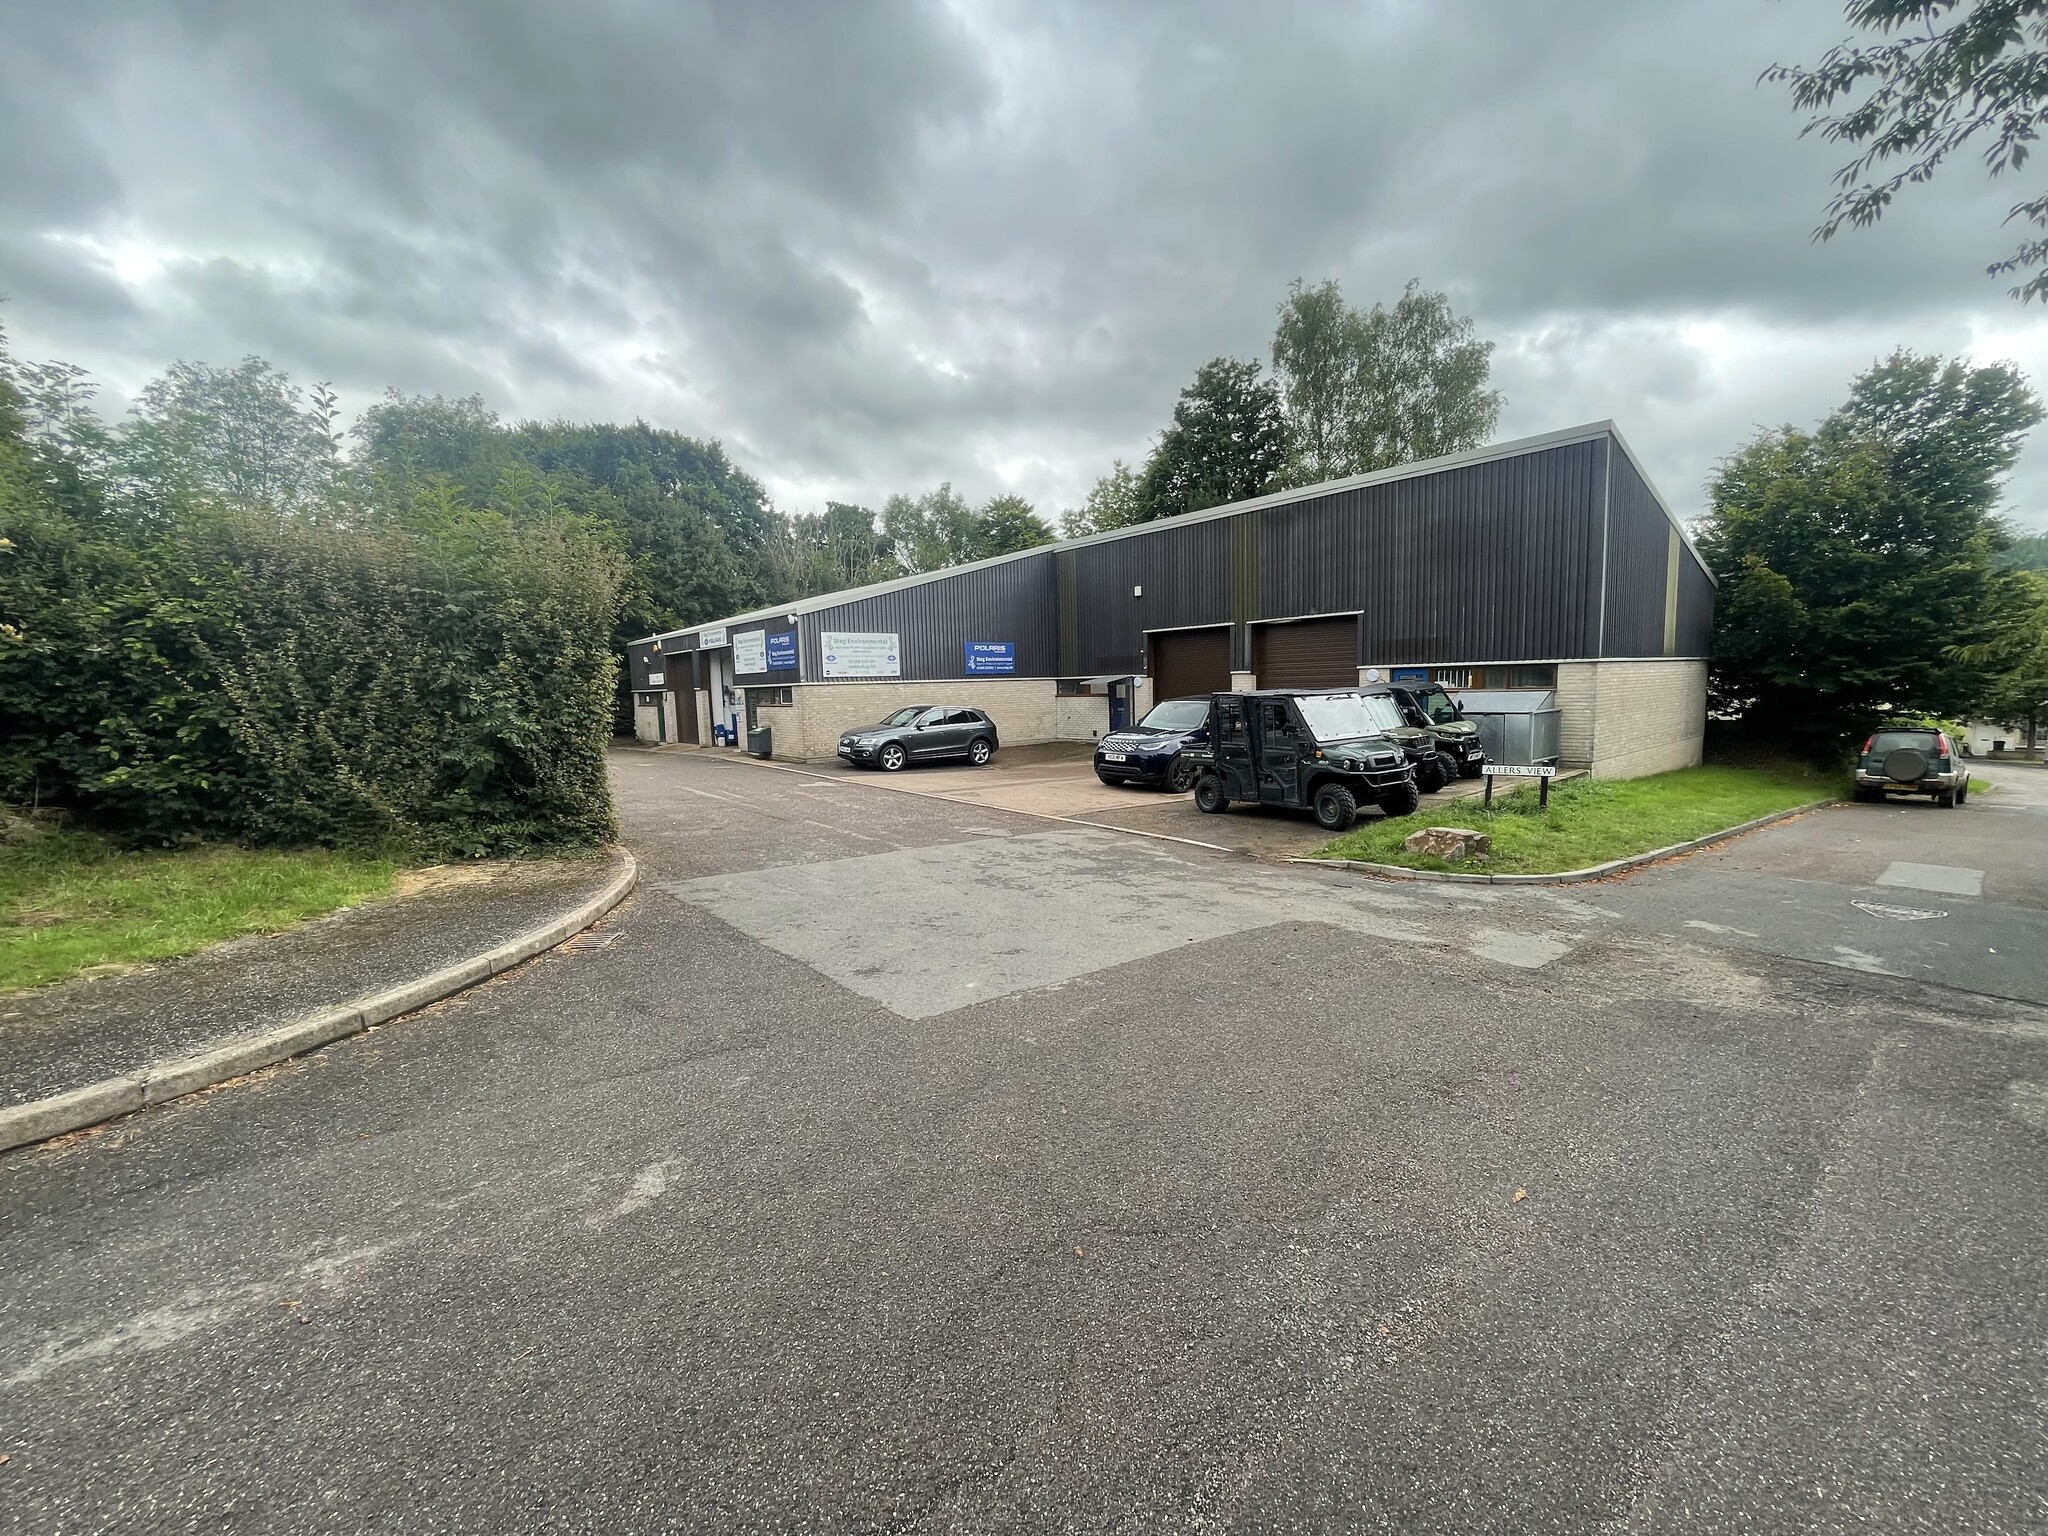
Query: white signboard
(858,655)
(1504,771)
(654,679)
(711,639)
(750,652)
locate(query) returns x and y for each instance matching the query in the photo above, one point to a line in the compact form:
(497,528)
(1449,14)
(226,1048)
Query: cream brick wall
(1075,717)
(810,728)
(1141,698)
(1243,682)
(1577,690)
(1625,719)
(646,727)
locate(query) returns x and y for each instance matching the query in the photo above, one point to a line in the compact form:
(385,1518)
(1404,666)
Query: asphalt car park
(1059,779)
(906,1165)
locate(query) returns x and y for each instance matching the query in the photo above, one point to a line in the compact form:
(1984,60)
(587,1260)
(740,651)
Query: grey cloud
(875,246)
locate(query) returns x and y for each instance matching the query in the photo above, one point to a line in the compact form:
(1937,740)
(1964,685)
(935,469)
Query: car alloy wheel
(1180,777)
(893,757)
(979,752)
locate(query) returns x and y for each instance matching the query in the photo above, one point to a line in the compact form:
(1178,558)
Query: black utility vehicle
(1911,762)
(1153,750)
(1321,749)
(1417,742)
(1457,739)
(922,733)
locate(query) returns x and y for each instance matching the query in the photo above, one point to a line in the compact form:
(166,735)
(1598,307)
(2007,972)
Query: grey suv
(922,733)
(1912,762)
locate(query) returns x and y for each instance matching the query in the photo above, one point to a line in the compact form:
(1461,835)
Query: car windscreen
(1347,716)
(1437,705)
(1891,741)
(905,716)
(1177,715)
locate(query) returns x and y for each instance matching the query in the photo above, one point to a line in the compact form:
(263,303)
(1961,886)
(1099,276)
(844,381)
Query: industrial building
(1545,565)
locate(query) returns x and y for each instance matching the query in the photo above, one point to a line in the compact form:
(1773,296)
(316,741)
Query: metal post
(1489,792)
(1543,794)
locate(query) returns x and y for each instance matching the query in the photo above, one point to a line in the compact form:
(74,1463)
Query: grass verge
(1981,786)
(71,902)
(1593,820)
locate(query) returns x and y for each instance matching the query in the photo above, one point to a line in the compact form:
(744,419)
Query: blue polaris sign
(991,658)
(782,651)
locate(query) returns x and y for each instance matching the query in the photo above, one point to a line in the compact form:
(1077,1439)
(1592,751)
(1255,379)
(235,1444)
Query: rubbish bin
(1516,726)
(761,743)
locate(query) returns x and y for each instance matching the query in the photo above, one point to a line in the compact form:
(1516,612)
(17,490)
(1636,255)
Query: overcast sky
(871,247)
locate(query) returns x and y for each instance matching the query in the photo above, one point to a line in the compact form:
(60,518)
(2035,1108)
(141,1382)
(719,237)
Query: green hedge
(234,673)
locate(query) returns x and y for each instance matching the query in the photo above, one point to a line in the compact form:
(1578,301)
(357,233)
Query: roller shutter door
(1190,663)
(1316,653)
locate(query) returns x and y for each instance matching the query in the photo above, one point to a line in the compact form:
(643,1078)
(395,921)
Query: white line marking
(1896,914)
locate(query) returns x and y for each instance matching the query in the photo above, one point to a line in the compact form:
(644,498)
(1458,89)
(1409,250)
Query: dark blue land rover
(1149,752)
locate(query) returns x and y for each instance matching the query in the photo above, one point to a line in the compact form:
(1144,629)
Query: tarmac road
(888,1163)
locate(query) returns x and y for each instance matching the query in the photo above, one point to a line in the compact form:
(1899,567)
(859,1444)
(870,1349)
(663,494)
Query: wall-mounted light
(1137,591)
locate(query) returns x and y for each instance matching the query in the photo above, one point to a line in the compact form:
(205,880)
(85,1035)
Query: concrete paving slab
(929,930)
(1945,879)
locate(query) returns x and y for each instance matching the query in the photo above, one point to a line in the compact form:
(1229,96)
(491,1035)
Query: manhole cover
(1896,914)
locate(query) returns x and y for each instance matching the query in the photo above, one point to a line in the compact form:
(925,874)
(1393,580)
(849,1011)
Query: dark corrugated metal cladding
(1695,607)
(1495,561)
(1638,555)
(1184,570)
(1014,601)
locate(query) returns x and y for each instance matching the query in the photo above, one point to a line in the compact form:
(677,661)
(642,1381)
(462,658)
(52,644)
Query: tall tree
(1366,391)
(1227,442)
(1855,562)
(1007,524)
(939,528)
(929,532)
(214,435)
(1940,74)
(2027,552)
(2014,655)
(1114,501)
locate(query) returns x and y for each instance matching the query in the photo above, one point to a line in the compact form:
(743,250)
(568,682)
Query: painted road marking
(1896,914)
(1946,879)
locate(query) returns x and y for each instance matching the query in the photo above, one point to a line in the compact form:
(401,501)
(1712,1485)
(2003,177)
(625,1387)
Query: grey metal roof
(1515,449)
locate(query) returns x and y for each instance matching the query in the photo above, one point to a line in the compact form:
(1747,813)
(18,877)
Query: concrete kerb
(1567,876)
(40,1119)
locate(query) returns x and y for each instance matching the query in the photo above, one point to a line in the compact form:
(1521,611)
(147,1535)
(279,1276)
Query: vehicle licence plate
(1114,757)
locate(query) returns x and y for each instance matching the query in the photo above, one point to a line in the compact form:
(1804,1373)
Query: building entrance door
(1119,703)
(684,703)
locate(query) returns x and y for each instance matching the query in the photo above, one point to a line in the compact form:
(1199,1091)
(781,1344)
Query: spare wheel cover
(1906,764)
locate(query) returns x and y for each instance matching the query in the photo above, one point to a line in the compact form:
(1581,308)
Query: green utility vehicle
(1328,751)
(1457,739)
